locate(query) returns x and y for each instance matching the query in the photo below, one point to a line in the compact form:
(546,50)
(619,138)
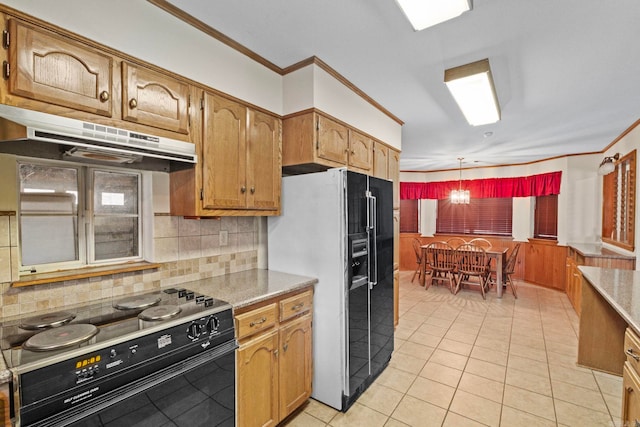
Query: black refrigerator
(338,226)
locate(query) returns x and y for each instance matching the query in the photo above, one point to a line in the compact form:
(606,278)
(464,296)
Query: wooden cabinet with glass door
(274,358)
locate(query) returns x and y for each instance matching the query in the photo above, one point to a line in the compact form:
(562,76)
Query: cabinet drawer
(295,305)
(256,320)
(632,348)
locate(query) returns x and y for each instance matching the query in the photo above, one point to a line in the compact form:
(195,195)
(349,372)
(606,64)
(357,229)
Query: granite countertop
(249,287)
(597,250)
(620,288)
(239,289)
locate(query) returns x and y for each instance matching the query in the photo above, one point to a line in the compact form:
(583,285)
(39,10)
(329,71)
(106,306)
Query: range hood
(36,134)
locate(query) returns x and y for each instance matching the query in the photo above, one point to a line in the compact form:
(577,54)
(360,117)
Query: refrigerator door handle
(373,221)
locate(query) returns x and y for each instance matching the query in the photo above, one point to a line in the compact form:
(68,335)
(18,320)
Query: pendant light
(460,196)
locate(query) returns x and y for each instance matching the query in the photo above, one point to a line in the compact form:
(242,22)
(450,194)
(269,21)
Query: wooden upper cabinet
(224,153)
(264,161)
(360,152)
(380,161)
(394,175)
(46,67)
(154,99)
(241,159)
(332,140)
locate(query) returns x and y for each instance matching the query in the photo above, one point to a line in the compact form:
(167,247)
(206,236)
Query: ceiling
(567,72)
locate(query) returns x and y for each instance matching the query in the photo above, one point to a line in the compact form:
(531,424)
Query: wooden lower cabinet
(294,372)
(258,381)
(573,282)
(274,360)
(630,396)
(631,380)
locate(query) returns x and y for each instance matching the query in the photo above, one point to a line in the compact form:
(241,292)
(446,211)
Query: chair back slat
(479,241)
(441,256)
(471,259)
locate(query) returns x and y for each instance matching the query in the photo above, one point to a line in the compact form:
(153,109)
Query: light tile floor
(462,361)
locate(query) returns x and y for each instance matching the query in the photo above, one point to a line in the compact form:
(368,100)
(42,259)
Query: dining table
(497,254)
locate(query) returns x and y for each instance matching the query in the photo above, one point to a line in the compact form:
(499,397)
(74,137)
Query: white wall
(579,201)
(334,98)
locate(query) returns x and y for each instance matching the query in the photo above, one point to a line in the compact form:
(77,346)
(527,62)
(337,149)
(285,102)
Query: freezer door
(381,294)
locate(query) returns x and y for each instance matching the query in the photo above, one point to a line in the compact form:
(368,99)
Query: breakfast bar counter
(610,304)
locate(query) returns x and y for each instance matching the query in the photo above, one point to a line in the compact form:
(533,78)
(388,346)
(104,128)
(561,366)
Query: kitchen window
(73,216)
(492,216)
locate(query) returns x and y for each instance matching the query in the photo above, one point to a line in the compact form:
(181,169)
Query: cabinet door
(295,364)
(224,154)
(630,396)
(394,174)
(380,161)
(257,389)
(360,151)
(264,161)
(153,99)
(332,140)
(49,68)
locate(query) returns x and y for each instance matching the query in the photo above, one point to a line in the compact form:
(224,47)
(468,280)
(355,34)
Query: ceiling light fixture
(472,87)
(427,13)
(608,164)
(460,196)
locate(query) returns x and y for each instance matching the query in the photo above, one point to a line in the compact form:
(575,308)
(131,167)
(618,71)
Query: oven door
(199,391)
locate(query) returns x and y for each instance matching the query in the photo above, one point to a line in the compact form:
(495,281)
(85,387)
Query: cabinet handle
(275,352)
(258,322)
(104,96)
(133,103)
(630,352)
(353,153)
(637,423)
(243,189)
(297,306)
(285,346)
(253,190)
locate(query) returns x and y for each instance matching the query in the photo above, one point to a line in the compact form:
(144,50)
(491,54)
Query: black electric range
(71,363)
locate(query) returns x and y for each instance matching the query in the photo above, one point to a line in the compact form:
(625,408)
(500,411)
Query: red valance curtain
(524,186)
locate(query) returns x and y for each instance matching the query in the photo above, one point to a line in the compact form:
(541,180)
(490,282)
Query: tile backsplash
(188,249)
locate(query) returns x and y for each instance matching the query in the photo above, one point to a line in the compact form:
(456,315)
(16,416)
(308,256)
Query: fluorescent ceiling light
(472,87)
(427,13)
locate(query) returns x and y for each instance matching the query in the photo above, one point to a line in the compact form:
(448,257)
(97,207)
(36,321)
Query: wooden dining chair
(510,268)
(417,248)
(456,241)
(442,262)
(483,243)
(472,263)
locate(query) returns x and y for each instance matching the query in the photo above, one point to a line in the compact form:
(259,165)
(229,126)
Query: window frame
(545,206)
(85,217)
(412,217)
(619,203)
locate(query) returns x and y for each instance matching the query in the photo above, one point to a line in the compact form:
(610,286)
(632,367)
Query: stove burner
(137,301)
(47,320)
(160,312)
(61,337)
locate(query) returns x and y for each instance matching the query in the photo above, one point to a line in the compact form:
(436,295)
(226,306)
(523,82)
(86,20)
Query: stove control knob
(212,324)
(189,295)
(113,353)
(194,330)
